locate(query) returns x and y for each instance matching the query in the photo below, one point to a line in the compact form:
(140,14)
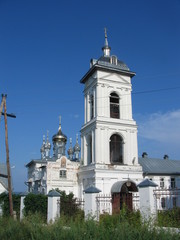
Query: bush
(169,218)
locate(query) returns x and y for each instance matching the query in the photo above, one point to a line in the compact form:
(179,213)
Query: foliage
(169,218)
(36,203)
(125,216)
(32,227)
(4,201)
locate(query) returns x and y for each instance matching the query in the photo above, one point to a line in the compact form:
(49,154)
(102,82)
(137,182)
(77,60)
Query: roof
(124,186)
(53,193)
(34,161)
(104,64)
(92,190)
(147,183)
(3,170)
(157,166)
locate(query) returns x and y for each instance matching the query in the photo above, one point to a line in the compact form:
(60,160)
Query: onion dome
(77,147)
(47,144)
(43,145)
(70,150)
(59,136)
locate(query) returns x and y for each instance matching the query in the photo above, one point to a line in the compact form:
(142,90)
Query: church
(109,150)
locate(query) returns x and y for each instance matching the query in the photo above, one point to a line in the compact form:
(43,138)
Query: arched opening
(116,149)
(92,106)
(114,105)
(122,195)
(89,152)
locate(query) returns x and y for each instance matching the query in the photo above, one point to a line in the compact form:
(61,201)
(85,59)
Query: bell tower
(109,133)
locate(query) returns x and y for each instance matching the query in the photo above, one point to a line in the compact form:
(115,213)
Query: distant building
(109,152)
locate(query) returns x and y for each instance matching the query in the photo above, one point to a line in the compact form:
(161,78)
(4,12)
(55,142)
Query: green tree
(4,202)
(36,203)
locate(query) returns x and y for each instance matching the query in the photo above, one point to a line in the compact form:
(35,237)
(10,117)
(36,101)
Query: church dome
(48,145)
(59,136)
(42,149)
(70,150)
(77,147)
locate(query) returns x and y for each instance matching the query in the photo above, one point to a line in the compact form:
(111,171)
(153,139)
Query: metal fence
(167,198)
(104,204)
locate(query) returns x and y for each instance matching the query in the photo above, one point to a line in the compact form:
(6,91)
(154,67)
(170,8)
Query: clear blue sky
(45,49)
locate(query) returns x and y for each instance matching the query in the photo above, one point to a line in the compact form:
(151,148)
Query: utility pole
(3,104)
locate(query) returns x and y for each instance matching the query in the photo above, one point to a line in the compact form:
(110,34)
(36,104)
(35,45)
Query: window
(89,149)
(114,60)
(173,183)
(92,106)
(63,162)
(62,174)
(116,149)
(114,105)
(163,203)
(161,182)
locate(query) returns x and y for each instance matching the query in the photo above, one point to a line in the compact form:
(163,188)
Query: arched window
(116,149)
(92,106)
(114,105)
(89,149)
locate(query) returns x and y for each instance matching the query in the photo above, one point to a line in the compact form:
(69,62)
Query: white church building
(109,150)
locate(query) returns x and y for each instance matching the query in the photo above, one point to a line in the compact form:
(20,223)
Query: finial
(106,41)
(43,138)
(47,135)
(106,49)
(59,122)
(70,140)
(77,137)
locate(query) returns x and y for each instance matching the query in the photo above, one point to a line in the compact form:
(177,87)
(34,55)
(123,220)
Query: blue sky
(45,49)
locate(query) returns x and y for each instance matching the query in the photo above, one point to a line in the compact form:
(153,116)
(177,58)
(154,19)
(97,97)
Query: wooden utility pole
(3,104)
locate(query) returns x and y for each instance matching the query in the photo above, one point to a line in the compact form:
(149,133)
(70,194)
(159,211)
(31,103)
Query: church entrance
(122,195)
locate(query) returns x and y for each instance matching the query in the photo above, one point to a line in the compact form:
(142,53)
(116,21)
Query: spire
(70,150)
(106,49)
(77,138)
(42,150)
(59,123)
(106,41)
(77,149)
(43,139)
(48,145)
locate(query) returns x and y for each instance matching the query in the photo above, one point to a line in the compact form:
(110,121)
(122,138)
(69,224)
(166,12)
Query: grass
(121,226)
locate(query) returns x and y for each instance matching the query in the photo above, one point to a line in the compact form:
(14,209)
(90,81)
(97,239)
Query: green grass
(126,226)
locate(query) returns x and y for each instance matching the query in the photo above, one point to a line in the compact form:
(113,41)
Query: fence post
(147,200)
(53,211)
(90,204)
(23,195)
